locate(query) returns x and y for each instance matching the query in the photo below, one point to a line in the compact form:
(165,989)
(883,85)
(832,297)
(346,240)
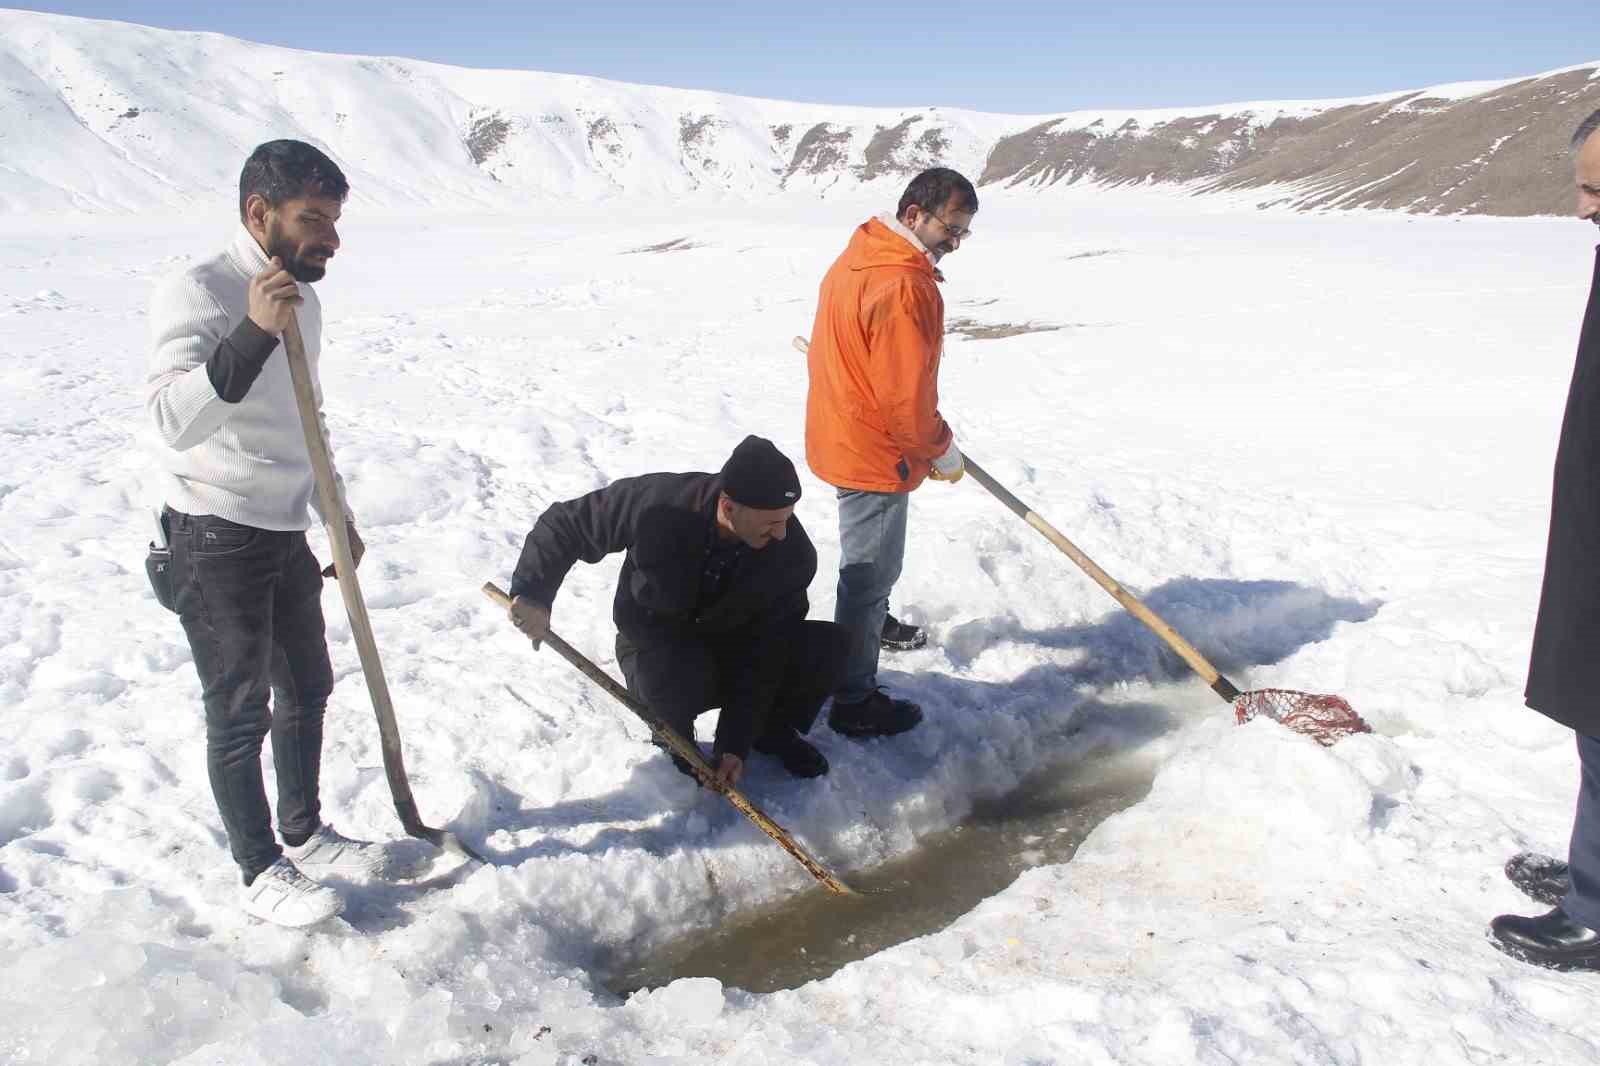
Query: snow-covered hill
(106,116)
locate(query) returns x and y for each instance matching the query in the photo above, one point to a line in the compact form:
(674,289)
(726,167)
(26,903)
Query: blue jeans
(872,547)
(1582,902)
(251,604)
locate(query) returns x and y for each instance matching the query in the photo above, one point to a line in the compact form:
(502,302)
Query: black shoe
(875,716)
(901,636)
(1552,940)
(798,755)
(1543,877)
(679,763)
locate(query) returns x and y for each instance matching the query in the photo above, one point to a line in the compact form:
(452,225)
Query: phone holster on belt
(158,565)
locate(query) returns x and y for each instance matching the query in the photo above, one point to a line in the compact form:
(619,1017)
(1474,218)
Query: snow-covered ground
(1320,446)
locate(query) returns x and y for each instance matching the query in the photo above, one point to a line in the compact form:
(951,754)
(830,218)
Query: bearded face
(301,233)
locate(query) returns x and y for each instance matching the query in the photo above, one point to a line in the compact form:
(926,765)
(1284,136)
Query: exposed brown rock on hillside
(822,148)
(1502,152)
(880,151)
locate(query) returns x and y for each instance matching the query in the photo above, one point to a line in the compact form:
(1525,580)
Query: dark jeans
(251,604)
(1582,902)
(680,680)
(872,547)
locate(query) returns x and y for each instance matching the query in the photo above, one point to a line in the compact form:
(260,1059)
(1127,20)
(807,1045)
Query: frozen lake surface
(1319,445)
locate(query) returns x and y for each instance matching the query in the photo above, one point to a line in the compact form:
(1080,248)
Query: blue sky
(990,55)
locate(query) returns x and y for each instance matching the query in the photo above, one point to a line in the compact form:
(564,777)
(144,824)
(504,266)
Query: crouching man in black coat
(711,602)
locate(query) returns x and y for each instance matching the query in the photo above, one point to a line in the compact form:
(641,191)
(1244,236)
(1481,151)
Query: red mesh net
(1325,719)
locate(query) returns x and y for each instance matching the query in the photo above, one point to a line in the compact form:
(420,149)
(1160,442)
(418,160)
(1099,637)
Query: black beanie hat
(758,475)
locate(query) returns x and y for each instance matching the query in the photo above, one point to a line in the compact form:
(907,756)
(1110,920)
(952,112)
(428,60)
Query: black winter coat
(1564,674)
(666,522)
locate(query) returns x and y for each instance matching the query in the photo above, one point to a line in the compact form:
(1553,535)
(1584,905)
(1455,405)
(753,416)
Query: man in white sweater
(238,481)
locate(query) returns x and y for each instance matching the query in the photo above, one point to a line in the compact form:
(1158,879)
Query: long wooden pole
(1154,622)
(333,516)
(688,751)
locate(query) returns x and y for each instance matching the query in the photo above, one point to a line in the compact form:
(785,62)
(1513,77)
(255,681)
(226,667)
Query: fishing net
(1325,719)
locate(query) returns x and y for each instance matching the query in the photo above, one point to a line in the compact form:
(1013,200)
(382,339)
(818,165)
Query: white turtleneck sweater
(242,458)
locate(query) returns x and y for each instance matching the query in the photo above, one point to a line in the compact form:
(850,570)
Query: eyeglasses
(955,233)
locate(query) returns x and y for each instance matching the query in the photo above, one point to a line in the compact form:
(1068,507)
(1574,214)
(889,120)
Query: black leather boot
(799,756)
(876,716)
(1552,940)
(901,636)
(1543,877)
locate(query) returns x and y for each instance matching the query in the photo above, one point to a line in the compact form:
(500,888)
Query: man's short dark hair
(932,189)
(284,170)
(1585,129)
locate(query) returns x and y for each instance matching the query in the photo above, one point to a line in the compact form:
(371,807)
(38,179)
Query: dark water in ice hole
(810,936)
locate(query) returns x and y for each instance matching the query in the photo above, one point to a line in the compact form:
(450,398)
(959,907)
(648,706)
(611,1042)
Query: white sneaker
(329,852)
(285,896)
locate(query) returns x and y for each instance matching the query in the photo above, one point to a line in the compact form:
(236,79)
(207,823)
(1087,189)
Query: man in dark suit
(1564,675)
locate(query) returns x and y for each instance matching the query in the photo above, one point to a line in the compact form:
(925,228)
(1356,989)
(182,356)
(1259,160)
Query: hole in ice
(810,936)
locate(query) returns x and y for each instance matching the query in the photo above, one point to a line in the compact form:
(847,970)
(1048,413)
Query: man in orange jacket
(873,428)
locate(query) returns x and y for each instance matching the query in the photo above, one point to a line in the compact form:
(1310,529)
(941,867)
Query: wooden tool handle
(334,518)
(1156,624)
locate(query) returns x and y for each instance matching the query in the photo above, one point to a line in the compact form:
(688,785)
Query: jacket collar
(900,229)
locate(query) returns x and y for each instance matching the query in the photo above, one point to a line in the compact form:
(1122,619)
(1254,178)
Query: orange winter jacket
(872,411)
